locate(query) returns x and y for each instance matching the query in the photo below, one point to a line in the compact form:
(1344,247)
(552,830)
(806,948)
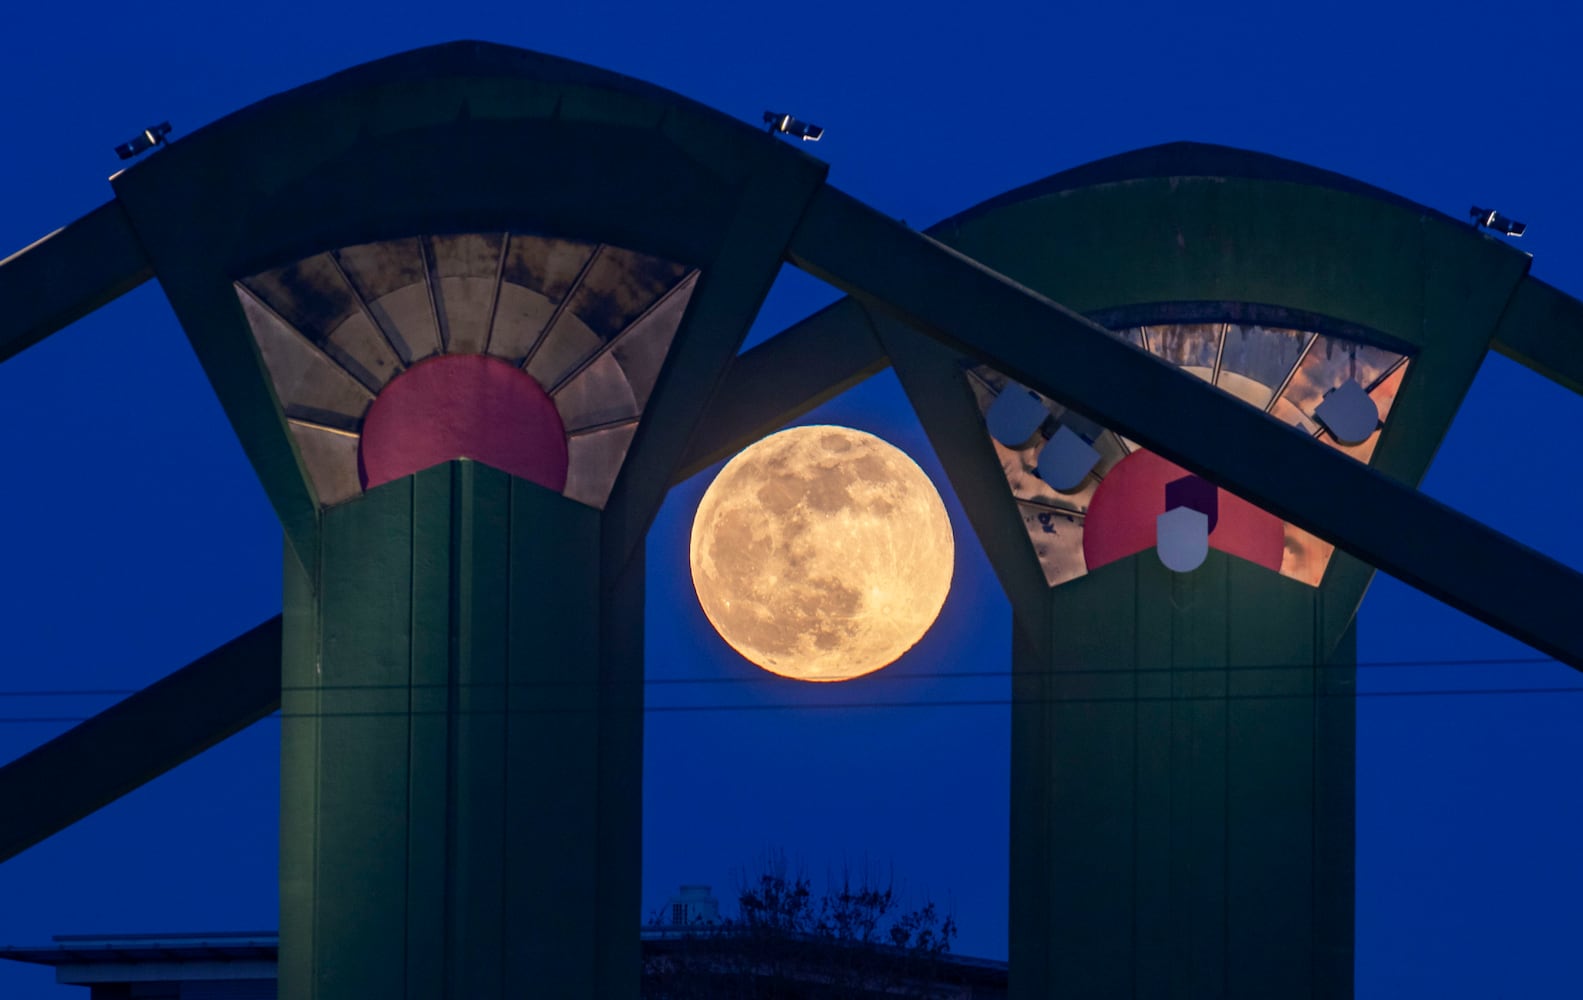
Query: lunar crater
(821,553)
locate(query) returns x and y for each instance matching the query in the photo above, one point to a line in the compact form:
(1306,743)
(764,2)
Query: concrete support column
(1182,789)
(461,748)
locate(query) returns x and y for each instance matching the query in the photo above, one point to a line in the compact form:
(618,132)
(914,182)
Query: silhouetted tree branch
(853,941)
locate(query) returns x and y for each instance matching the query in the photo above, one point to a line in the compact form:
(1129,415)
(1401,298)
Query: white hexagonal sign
(1181,537)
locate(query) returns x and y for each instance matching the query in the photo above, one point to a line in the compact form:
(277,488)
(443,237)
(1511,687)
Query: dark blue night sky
(137,537)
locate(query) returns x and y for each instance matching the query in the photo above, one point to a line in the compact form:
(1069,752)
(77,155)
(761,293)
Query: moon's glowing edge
(821,553)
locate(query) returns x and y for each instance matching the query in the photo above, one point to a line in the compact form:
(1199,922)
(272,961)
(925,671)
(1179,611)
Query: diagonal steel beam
(783,378)
(67,275)
(140,738)
(986,316)
(724,303)
(1543,329)
(945,406)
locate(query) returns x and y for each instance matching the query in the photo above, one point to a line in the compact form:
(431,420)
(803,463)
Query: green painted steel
(456,138)
(300,708)
(139,738)
(1174,832)
(944,404)
(983,315)
(1543,330)
(732,287)
(67,275)
(778,381)
(400,591)
(619,847)
(461,768)
(1466,282)
(462,652)
(1192,223)
(1187,222)
(1210,239)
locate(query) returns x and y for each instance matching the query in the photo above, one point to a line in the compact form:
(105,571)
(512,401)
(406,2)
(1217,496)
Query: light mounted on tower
(788,125)
(1488,218)
(152,136)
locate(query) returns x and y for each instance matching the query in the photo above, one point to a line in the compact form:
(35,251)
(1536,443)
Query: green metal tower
(464,253)
(472,310)
(1183,744)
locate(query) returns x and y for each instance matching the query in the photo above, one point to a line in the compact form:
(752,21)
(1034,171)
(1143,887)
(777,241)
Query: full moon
(821,553)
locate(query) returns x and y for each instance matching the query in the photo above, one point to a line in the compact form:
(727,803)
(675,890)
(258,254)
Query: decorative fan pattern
(591,323)
(1282,371)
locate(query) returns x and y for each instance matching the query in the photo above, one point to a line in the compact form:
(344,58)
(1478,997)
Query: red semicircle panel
(1121,517)
(463,406)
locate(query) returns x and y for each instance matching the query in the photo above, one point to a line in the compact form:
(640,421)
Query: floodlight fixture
(788,125)
(1488,218)
(152,136)
(1016,415)
(1067,459)
(1349,413)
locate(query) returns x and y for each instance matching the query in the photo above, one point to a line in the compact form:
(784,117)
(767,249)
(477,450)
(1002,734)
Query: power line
(889,676)
(873,705)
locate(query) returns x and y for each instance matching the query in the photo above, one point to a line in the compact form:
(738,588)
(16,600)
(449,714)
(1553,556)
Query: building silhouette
(243,966)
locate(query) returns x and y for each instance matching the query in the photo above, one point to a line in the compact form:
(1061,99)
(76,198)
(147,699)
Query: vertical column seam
(452,713)
(317,722)
(412,635)
(505,733)
(1317,691)
(1137,661)
(1225,780)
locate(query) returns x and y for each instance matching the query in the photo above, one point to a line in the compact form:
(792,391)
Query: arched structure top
(465,136)
(1194,224)
(608,237)
(1188,159)
(475,140)
(1192,233)
(482,81)
(1195,234)
(462,60)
